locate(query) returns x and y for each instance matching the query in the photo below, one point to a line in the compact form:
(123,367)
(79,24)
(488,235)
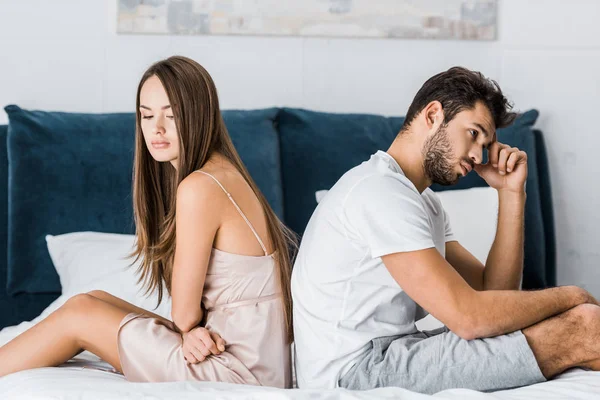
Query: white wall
(65,55)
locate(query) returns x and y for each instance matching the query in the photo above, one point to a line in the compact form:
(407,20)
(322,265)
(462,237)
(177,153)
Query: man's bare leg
(570,339)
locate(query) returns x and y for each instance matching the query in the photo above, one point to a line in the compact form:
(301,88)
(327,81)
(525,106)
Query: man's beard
(438,157)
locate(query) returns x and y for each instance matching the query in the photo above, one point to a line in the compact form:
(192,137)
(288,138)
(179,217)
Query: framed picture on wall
(414,19)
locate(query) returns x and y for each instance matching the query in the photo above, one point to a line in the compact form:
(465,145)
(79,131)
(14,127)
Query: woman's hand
(199,343)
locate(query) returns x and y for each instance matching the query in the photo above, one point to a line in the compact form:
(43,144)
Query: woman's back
(242,299)
(235,235)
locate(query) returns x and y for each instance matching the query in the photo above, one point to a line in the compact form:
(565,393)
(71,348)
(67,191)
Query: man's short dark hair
(459,89)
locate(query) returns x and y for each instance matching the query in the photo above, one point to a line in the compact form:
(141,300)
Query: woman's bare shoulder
(200,189)
(213,181)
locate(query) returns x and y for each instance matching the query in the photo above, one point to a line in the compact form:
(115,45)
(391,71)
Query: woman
(207,235)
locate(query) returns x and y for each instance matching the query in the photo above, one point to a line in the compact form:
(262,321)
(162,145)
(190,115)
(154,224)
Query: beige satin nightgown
(243,304)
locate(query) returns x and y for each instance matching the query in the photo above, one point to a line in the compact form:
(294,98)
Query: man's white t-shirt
(343,294)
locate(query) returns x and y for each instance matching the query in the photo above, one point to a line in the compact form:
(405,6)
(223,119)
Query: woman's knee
(80,304)
(76,312)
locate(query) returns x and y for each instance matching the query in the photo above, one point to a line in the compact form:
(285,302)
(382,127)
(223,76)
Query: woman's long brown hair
(201,132)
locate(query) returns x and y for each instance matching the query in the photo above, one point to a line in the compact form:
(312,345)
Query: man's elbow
(469,321)
(464,327)
(476,326)
(463,316)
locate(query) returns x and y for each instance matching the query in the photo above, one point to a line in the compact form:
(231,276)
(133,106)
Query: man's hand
(506,168)
(199,343)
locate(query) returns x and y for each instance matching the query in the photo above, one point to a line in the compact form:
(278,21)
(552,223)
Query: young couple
(377,255)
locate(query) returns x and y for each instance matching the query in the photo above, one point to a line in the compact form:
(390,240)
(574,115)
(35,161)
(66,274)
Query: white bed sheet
(87,377)
(77,382)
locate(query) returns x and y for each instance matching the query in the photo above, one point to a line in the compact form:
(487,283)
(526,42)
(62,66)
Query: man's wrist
(512,192)
(512,203)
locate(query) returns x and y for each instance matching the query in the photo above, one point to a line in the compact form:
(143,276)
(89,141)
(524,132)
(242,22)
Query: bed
(66,221)
(86,377)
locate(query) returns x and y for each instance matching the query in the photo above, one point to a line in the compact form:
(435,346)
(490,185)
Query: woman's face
(157,122)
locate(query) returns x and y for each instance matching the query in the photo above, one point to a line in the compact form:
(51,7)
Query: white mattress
(86,377)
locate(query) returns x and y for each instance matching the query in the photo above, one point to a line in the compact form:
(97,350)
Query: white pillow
(319,194)
(473,217)
(88,261)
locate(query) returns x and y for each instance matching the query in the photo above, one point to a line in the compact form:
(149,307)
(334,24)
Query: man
(379,251)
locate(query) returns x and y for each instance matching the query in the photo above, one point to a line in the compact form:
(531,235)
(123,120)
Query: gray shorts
(431,361)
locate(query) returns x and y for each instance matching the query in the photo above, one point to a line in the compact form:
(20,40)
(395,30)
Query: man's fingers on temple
(493,152)
(512,160)
(502,158)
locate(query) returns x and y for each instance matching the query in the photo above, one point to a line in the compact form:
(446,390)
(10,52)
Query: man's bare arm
(504,266)
(466,264)
(432,282)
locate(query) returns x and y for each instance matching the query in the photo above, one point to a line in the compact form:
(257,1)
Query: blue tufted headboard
(291,153)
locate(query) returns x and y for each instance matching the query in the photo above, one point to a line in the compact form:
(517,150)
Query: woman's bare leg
(122,304)
(84,322)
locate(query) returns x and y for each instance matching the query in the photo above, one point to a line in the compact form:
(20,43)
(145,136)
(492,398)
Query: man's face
(455,148)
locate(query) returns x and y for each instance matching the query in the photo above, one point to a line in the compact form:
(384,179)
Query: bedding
(92,260)
(88,377)
(83,380)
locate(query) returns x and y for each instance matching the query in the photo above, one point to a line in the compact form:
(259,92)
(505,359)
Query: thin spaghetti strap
(216,180)
(239,210)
